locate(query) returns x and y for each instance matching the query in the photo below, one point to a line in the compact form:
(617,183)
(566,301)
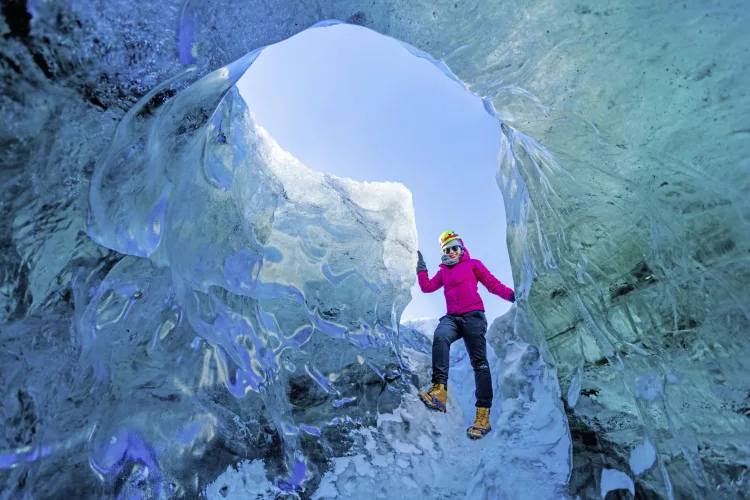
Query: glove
(421,266)
(512,297)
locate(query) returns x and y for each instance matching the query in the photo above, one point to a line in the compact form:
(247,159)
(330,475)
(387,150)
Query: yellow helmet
(447,237)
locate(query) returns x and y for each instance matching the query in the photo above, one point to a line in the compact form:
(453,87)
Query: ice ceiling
(624,170)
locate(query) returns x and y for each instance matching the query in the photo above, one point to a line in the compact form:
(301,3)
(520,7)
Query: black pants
(471,327)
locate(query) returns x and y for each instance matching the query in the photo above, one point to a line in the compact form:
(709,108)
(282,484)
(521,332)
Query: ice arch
(627,229)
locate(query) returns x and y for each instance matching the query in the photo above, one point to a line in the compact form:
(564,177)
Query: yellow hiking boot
(481,424)
(436,398)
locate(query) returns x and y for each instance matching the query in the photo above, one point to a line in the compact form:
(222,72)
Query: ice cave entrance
(351,102)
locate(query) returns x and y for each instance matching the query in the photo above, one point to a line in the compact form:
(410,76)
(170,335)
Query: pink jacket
(460,282)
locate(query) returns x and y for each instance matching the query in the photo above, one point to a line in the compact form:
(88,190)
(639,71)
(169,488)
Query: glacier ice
(624,172)
(240,275)
(412,453)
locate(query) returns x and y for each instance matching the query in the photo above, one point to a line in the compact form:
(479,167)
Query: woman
(459,275)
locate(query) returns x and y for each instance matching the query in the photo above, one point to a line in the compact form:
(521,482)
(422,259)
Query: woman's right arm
(430,285)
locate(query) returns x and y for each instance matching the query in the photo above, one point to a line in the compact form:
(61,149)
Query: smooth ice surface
(278,287)
(624,172)
(616,480)
(642,457)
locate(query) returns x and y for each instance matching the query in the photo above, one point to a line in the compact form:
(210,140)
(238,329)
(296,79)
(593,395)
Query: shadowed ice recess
(188,311)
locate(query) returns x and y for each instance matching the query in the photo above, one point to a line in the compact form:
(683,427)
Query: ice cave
(188,311)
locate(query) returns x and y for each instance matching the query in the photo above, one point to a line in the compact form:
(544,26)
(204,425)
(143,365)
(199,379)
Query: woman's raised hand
(421,266)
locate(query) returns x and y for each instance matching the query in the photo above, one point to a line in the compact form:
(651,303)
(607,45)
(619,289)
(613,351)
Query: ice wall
(256,304)
(624,175)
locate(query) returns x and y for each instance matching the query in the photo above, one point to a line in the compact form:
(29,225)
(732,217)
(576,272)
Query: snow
(642,457)
(613,479)
(247,481)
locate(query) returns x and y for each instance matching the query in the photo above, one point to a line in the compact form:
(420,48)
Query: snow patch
(642,457)
(247,481)
(613,479)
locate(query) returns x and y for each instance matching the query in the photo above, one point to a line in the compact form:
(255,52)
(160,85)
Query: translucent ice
(292,281)
(624,171)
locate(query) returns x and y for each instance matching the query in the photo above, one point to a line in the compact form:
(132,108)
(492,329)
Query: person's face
(453,251)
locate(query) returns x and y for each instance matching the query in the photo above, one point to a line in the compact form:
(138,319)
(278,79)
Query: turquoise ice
(140,359)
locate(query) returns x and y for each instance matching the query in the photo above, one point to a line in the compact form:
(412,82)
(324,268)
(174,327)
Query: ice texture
(413,453)
(257,302)
(294,279)
(624,170)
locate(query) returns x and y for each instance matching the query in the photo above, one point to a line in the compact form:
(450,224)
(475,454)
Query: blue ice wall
(624,172)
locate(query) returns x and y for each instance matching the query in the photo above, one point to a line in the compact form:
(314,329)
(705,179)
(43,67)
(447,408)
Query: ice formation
(411,453)
(151,362)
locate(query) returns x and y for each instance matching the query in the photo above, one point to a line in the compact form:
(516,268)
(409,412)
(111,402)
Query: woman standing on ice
(459,274)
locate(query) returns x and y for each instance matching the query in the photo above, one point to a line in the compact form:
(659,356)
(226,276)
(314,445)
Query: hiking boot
(436,398)
(481,424)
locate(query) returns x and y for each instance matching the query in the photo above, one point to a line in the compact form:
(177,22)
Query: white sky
(347,101)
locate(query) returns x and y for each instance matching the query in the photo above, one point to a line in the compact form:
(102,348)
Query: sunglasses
(454,248)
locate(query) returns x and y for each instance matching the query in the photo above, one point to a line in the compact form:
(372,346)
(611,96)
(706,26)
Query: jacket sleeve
(492,284)
(430,285)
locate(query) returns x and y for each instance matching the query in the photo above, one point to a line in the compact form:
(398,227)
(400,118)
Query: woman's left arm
(492,284)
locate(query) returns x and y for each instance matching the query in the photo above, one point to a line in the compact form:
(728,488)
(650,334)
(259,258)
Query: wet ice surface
(254,306)
(624,172)
(413,452)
